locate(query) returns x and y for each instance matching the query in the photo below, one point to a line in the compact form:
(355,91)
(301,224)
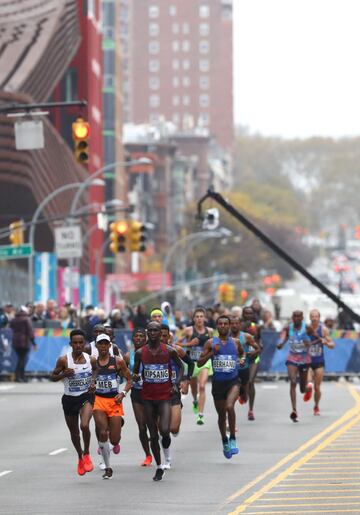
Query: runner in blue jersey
(224,352)
(139,340)
(319,339)
(77,370)
(297,336)
(251,350)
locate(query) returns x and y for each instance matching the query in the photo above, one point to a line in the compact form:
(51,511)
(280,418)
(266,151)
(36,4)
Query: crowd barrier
(52,343)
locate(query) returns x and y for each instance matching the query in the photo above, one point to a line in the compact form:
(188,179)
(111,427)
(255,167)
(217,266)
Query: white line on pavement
(5,472)
(269,386)
(4,387)
(57,451)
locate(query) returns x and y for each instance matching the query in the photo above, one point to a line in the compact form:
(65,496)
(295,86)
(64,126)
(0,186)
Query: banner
(45,276)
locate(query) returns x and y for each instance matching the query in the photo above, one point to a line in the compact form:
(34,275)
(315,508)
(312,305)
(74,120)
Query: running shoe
(88,464)
(102,465)
(293,416)
(233,446)
(316,410)
(116,448)
(108,474)
(251,415)
(147,461)
(308,393)
(241,400)
(227,450)
(159,474)
(195,407)
(200,420)
(167,465)
(81,468)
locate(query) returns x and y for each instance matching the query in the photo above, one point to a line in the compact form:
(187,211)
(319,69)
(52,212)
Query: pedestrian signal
(17,233)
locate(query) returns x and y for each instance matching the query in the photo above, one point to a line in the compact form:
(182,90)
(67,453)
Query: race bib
(316,350)
(80,382)
(224,364)
(106,384)
(158,373)
(297,347)
(195,353)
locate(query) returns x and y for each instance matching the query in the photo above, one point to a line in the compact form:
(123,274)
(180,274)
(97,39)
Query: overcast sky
(297,67)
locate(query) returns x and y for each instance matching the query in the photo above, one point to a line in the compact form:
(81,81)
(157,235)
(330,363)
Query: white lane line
(269,386)
(4,387)
(5,472)
(57,451)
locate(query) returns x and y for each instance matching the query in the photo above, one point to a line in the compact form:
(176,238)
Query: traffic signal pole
(217,197)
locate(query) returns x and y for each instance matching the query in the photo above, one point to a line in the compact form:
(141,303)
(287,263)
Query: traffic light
(118,232)
(137,236)
(244,295)
(81,135)
(16,233)
(226,292)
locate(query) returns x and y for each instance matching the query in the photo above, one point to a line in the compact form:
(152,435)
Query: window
(186,100)
(204,47)
(204,29)
(154,118)
(154,29)
(204,82)
(154,47)
(204,11)
(186,82)
(204,119)
(154,65)
(204,100)
(175,100)
(175,28)
(176,118)
(186,64)
(175,82)
(108,14)
(186,28)
(175,64)
(109,81)
(173,10)
(186,46)
(204,65)
(154,101)
(175,46)
(154,11)
(154,83)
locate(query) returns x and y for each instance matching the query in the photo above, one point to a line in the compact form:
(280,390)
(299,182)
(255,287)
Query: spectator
(116,320)
(210,318)
(179,321)
(3,319)
(39,313)
(141,319)
(345,321)
(65,319)
(51,311)
(23,338)
(257,310)
(329,322)
(236,311)
(9,311)
(168,317)
(86,325)
(267,321)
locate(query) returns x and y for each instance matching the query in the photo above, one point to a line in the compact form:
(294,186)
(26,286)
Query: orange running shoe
(308,393)
(241,400)
(147,461)
(81,468)
(88,464)
(316,410)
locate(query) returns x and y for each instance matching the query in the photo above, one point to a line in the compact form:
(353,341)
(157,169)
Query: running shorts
(302,367)
(220,389)
(108,406)
(207,366)
(176,399)
(135,396)
(244,376)
(72,404)
(315,366)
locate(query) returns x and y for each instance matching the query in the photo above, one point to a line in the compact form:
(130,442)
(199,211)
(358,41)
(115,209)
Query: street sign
(29,134)
(68,242)
(15,252)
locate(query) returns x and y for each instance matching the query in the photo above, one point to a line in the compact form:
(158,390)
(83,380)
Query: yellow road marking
(297,505)
(277,492)
(334,467)
(304,459)
(309,498)
(348,415)
(303,511)
(317,479)
(290,485)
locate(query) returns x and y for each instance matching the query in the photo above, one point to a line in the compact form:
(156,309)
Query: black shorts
(220,389)
(72,404)
(155,405)
(135,396)
(315,366)
(244,376)
(176,399)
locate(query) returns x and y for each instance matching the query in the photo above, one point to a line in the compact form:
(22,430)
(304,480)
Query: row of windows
(204,46)
(204,118)
(176,64)
(154,11)
(154,82)
(154,29)
(177,100)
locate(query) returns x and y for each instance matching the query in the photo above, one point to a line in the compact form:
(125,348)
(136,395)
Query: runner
(319,338)
(249,326)
(224,352)
(296,334)
(195,337)
(176,404)
(251,351)
(157,390)
(108,408)
(90,347)
(139,340)
(114,349)
(76,368)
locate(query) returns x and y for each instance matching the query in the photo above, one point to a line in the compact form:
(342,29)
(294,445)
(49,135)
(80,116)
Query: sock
(232,437)
(167,454)
(201,414)
(105,452)
(225,440)
(176,434)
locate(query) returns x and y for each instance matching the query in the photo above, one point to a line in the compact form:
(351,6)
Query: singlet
(107,384)
(137,385)
(197,349)
(224,363)
(247,348)
(95,352)
(317,349)
(156,374)
(78,383)
(298,351)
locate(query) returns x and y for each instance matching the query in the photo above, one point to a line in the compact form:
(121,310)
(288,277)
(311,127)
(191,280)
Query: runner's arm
(61,370)
(94,367)
(123,371)
(175,356)
(284,335)
(137,361)
(254,344)
(326,340)
(207,353)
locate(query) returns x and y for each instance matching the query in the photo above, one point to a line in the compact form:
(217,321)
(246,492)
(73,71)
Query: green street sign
(15,252)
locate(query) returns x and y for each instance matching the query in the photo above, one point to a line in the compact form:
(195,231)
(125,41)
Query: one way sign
(68,242)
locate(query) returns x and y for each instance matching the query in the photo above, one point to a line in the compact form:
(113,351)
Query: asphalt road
(34,481)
